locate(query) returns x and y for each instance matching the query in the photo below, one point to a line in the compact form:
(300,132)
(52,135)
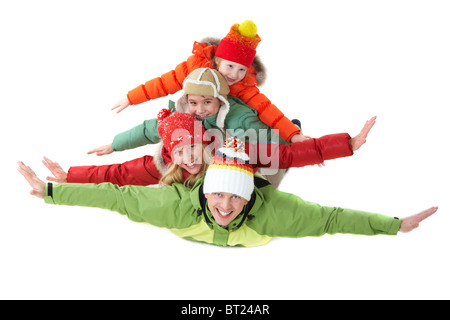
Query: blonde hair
(174,174)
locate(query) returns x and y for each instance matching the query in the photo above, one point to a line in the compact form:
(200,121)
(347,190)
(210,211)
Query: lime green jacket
(270,213)
(240,118)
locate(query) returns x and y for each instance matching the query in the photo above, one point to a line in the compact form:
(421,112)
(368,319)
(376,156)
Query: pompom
(164,113)
(248,29)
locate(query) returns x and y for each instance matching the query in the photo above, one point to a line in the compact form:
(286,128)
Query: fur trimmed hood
(260,69)
(159,160)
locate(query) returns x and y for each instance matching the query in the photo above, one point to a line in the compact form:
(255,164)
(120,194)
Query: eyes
(179,152)
(194,103)
(230,66)
(221,195)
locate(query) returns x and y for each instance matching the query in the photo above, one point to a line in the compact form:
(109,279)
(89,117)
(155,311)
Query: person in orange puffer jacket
(235,58)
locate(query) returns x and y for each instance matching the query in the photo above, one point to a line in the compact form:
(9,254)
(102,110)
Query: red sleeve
(140,172)
(300,154)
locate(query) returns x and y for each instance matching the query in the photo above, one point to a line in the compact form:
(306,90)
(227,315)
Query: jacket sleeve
(167,207)
(300,154)
(172,81)
(141,135)
(287,215)
(140,172)
(267,112)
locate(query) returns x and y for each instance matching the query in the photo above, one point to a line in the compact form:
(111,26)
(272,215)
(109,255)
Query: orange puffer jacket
(246,89)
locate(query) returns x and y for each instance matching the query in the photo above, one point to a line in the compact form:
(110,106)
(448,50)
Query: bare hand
(37,185)
(357,141)
(101,151)
(299,138)
(120,105)
(59,175)
(412,222)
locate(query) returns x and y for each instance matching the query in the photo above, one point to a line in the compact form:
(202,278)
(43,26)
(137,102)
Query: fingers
(368,126)
(426,213)
(26,172)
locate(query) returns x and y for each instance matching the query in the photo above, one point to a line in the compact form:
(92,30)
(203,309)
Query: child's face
(189,157)
(203,106)
(232,71)
(225,207)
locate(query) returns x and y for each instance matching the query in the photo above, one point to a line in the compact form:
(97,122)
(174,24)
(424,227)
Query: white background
(332,64)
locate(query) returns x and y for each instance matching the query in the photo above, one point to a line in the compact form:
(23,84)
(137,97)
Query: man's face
(225,207)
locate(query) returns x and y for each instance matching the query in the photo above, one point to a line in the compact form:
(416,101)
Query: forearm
(141,135)
(290,216)
(156,206)
(169,83)
(140,172)
(300,154)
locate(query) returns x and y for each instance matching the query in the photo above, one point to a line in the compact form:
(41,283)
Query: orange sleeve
(267,112)
(172,81)
(168,83)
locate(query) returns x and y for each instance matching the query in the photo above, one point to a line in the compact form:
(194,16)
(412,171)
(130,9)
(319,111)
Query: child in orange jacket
(235,58)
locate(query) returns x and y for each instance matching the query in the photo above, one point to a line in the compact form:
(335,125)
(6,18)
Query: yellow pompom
(248,29)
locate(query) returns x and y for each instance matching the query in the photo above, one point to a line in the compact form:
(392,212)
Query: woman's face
(189,157)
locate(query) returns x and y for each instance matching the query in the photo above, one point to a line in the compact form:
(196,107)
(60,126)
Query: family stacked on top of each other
(227,205)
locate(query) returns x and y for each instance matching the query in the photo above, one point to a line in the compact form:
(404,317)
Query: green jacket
(240,117)
(270,213)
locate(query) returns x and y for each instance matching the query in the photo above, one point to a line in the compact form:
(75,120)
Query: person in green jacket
(228,206)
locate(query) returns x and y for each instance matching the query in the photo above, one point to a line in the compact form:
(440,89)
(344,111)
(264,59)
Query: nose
(187,155)
(226,203)
(200,108)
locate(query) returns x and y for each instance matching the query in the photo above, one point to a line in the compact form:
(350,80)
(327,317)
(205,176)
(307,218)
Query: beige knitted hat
(207,82)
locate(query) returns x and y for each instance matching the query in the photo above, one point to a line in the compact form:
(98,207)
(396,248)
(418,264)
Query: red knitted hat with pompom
(177,129)
(239,45)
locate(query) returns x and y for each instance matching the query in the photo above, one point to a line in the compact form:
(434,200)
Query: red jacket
(246,89)
(144,171)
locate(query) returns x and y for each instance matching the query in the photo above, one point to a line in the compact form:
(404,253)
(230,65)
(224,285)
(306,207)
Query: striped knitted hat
(239,45)
(230,171)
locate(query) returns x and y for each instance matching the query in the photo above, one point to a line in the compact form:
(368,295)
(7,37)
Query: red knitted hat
(177,129)
(240,44)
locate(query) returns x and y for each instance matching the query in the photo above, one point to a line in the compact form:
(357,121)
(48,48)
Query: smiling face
(225,207)
(189,157)
(203,106)
(232,72)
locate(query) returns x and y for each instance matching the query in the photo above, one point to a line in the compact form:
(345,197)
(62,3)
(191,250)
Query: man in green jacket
(228,207)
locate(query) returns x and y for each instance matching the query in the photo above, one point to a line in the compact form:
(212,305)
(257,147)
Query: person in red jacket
(235,58)
(186,158)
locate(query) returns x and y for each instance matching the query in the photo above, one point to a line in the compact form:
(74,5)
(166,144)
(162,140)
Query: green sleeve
(241,118)
(287,215)
(141,135)
(167,207)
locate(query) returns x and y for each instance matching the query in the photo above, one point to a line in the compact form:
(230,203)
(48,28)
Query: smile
(224,214)
(190,165)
